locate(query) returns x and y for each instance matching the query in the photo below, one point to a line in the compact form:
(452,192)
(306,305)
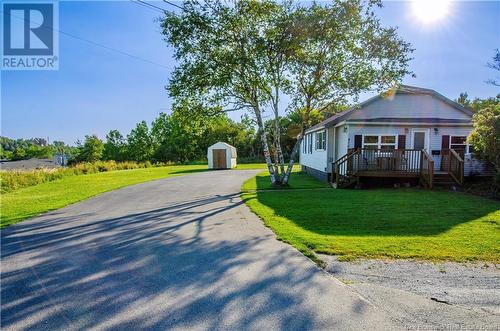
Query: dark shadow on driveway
(142,271)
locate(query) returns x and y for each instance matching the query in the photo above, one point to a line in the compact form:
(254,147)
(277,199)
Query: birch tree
(219,48)
(248,54)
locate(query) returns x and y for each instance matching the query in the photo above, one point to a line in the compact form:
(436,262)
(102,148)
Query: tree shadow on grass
(375,212)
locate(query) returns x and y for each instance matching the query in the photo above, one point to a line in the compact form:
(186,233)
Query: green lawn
(298,180)
(34,200)
(244,166)
(385,223)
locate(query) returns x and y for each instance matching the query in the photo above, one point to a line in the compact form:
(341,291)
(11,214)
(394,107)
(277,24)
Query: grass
(11,180)
(298,180)
(245,166)
(385,223)
(34,200)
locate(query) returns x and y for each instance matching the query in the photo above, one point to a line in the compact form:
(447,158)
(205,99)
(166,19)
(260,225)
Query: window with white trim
(310,143)
(380,141)
(321,140)
(304,144)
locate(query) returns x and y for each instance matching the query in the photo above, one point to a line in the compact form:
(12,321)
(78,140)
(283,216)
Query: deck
(394,163)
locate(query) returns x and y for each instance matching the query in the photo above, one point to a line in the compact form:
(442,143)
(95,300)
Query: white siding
(409,106)
(330,145)
(318,158)
(470,165)
(341,141)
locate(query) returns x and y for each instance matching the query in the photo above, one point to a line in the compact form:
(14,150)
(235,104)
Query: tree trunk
(277,135)
(286,176)
(265,146)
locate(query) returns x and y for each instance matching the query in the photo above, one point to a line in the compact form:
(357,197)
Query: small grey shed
(221,155)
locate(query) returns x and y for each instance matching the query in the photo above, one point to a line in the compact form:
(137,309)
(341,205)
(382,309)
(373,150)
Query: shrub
(11,180)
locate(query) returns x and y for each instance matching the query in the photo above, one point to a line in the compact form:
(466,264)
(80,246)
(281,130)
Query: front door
(219,158)
(419,141)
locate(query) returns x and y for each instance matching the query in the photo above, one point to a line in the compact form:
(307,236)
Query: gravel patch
(470,285)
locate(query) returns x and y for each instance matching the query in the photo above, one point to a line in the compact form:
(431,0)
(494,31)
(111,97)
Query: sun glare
(430,11)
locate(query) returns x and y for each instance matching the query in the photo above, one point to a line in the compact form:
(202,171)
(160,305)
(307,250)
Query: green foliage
(23,149)
(486,135)
(91,150)
(247,54)
(495,65)
(12,180)
(5,155)
(185,135)
(140,143)
(115,147)
(477,104)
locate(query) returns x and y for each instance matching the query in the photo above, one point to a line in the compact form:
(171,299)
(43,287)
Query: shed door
(219,158)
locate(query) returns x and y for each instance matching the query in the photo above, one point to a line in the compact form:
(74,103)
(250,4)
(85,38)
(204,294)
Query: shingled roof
(402,89)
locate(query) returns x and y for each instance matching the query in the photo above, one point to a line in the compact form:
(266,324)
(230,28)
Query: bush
(11,180)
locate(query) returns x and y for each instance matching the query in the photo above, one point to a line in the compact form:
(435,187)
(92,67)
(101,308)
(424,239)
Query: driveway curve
(178,253)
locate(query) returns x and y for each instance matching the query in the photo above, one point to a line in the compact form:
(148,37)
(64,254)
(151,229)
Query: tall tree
(344,51)
(495,65)
(485,138)
(246,54)
(220,50)
(91,150)
(140,143)
(115,146)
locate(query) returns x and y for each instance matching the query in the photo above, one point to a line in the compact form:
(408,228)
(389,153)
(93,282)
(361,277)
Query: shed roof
(226,145)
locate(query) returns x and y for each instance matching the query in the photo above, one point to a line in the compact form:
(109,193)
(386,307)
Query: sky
(97,89)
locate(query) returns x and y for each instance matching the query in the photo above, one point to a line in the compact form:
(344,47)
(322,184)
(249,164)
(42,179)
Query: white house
(221,155)
(396,136)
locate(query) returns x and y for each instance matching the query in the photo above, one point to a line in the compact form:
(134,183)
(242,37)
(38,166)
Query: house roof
(402,89)
(411,120)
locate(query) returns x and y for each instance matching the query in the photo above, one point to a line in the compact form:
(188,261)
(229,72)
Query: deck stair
(444,179)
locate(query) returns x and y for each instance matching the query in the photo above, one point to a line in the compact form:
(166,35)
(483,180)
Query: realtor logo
(30,36)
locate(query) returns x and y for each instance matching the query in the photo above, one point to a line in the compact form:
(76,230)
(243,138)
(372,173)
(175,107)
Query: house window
(310,143)
(379,142)
(321,140)
(459,144)
(304,144)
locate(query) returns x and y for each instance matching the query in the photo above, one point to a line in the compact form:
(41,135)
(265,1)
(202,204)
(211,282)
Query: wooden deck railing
(456,167)
(387,162)
(343,166)
(416,163)
(376,162)
(426,169)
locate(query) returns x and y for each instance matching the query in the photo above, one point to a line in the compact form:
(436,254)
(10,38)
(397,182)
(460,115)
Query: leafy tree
(92,149)
(5,154)
(115,147)
(486,136)
(477,104)
(246,54)
(495,65)
(463,99)
(140,143)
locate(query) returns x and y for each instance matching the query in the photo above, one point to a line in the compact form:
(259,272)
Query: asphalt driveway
(178,253)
